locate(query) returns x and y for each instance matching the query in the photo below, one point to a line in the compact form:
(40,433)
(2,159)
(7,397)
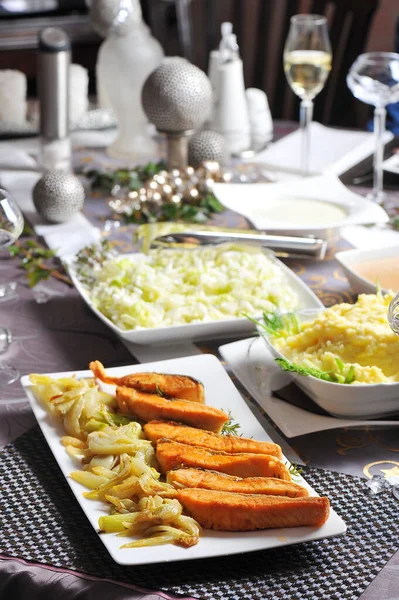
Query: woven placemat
(42,522)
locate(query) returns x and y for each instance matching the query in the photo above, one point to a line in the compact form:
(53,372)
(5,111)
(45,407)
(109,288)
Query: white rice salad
(175,287)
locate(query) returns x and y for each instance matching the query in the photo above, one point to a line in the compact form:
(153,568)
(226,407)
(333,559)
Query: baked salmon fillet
(162,384)
(213,480)
(171,455)
(156,430)
(226,511)
(147,407)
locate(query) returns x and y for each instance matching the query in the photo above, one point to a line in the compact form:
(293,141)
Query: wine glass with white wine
(11,227)
(307,64)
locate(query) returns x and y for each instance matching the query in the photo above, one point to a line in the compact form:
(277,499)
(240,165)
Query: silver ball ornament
(207,146)
(57,196)
(114,15)
(177,96)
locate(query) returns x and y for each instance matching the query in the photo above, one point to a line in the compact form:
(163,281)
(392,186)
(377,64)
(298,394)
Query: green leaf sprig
(91,258)
(334,377)
(231,427)
(278,324)
(294,470)
(38,261)
(134,180)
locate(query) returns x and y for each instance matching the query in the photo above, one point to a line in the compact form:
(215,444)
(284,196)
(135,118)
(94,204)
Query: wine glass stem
(379,128)
(306,114)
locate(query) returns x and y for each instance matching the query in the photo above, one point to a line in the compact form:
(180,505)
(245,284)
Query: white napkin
(331,150)
(254,366)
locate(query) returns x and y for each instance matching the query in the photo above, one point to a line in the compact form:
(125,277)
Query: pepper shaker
(54,59)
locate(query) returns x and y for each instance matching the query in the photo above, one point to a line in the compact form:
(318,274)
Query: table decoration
(150,193)
(38,261)
(177,98)
(13,107)
(125,58)
(58,195)
(207,146)
(342,566)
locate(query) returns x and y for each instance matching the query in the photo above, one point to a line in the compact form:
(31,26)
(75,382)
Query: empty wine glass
(374,79)
(307,64)
(11,226)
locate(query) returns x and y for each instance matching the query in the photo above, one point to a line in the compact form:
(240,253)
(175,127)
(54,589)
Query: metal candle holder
(177,98)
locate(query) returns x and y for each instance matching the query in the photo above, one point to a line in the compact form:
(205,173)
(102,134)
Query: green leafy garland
(135,179)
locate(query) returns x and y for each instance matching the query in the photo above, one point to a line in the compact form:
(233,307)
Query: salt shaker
(230,114)
(54,59)
(260,119)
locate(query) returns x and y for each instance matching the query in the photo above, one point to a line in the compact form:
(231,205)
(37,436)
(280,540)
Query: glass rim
(377,56)
(308,18)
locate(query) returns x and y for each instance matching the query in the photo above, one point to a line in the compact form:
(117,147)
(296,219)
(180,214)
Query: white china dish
(254,366)
(348,260)
(194,331)
(220,392)
(363,401)
(256,202)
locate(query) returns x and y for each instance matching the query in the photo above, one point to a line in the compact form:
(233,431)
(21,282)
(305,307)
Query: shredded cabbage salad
(175,287)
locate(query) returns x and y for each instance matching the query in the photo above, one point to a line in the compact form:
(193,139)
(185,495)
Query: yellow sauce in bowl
(384,271)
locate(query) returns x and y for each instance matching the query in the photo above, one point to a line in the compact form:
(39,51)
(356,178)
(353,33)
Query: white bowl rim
(310,311)
(373,253)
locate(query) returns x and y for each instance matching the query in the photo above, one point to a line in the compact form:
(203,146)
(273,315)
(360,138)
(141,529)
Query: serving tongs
(285,246)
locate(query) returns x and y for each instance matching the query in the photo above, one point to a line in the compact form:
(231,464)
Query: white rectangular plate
(235,326)
(219,392)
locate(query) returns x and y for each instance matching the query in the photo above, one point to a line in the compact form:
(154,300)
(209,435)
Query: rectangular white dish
(195,331)
(220,392)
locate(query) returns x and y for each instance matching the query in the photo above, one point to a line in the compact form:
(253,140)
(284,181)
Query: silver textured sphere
(57,196)
(207,145)
(116,15)
(177,96)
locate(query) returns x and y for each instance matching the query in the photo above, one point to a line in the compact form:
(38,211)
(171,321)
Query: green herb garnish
(294,470)
(91,258)
(230,427)
(331,376)
(277,324)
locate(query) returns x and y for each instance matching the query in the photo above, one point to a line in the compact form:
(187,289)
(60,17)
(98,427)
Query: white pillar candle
(12,97)
(78,93)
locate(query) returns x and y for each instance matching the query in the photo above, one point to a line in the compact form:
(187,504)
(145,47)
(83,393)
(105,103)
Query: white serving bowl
(340,399)
(348,260)
(254,201)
